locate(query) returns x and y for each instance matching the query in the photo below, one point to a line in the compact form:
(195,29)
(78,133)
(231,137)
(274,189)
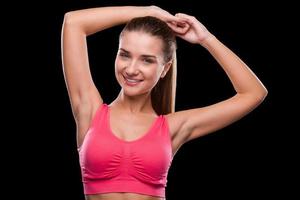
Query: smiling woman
(139,63)
(126,147)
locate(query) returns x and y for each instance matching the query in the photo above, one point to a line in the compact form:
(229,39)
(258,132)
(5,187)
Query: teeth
(132,80)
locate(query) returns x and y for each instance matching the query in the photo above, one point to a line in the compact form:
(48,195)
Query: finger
(186,17)
(184,27)
(174,27)
(183,15)
(177,19)
(179,28)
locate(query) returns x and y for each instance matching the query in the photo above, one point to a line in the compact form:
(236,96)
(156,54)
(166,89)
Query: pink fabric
(110,164)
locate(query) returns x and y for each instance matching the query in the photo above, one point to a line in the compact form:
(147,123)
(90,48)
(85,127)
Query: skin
(133,101)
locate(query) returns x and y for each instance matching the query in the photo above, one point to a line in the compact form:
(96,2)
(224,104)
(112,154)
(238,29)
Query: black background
(250,158)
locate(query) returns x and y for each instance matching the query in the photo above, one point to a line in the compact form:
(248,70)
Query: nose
(131,69)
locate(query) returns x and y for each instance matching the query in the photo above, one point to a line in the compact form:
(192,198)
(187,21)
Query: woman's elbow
(69,18)
(261,95)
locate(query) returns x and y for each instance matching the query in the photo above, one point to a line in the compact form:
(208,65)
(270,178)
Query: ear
(166,69)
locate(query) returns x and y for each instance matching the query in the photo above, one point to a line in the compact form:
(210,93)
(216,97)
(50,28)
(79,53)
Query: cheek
(153,73)
(118,69)
(118,65)
(158,70)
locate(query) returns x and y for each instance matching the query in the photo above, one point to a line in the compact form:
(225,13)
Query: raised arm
(250,92)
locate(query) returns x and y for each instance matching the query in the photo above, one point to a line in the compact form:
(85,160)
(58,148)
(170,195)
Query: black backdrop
(238,161)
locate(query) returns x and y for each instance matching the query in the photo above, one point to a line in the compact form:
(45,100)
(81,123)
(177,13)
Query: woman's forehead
(141,43)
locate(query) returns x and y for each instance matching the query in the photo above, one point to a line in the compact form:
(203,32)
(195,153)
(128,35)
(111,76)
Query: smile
(132,82)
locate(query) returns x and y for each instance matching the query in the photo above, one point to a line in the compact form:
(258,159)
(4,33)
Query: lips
(131,82)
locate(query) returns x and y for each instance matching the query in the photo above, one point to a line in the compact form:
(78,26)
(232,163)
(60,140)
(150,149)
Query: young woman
(126,147)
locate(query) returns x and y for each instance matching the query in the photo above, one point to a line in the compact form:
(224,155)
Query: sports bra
(111,164)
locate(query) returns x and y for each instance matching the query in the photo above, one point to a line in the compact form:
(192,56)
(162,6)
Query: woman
(126,147)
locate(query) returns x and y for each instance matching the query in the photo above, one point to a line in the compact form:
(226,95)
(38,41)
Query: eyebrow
(144,55)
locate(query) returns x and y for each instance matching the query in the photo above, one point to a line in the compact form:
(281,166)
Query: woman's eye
(124,55)
(147,60)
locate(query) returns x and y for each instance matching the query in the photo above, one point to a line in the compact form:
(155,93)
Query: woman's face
(139,63)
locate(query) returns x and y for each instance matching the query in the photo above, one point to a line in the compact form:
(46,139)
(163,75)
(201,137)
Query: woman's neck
(136,104)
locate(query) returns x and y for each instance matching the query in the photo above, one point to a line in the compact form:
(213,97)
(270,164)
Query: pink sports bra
(110,164)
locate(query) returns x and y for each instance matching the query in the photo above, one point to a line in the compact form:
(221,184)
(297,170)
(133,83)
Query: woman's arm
(250,92)
(92,20)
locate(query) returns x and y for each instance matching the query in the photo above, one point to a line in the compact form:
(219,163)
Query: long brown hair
(164,92)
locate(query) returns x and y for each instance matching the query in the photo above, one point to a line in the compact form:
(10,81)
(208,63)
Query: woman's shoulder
(175,121)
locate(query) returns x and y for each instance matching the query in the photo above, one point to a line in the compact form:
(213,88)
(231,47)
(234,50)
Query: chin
(132,92)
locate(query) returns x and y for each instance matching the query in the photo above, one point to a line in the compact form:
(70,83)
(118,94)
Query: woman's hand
(190,29)
(164,15)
